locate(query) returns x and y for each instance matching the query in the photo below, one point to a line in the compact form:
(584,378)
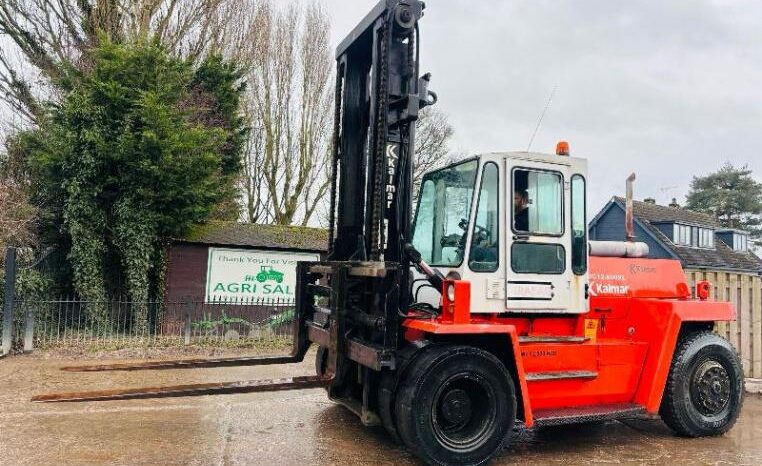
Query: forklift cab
(513,225)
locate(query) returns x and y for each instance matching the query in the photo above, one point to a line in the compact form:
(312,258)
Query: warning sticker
(591,329)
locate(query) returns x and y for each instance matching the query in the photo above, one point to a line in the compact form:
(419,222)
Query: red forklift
(486,306)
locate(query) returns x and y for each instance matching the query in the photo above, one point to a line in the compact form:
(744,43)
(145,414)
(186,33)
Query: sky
(665,89)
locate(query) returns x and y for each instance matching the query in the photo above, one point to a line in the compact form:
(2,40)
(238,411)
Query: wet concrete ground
(290,428)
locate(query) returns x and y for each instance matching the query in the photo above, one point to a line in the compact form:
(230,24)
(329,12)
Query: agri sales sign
(236,274)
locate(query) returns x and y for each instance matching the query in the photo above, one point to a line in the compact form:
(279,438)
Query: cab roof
(536,157)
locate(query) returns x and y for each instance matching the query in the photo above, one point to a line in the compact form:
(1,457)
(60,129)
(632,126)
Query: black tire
(387,388)
(455,406)
(386,391)
(705,387)
(321,361)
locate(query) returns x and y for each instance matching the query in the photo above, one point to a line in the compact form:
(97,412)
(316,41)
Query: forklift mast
(378,98)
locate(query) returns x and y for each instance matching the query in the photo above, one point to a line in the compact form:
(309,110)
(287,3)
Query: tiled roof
(721,256)
(259,236)
(658,213)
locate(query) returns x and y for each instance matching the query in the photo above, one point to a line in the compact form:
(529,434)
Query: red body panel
(636,310)
(637,278)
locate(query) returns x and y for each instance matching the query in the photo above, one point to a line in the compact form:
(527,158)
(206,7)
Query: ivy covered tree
(143,146)
(733,196)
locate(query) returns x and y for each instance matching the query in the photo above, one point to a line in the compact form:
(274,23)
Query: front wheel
(455,405)
(321,361)
(705,387)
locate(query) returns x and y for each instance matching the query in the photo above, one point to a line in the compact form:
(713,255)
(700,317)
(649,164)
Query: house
(671,232)
(707,251)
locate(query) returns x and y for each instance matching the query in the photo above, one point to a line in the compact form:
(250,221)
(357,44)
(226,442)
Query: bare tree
(17,214)
(285,52)
(40,38)
(290,102)
(433,133)
(255,207)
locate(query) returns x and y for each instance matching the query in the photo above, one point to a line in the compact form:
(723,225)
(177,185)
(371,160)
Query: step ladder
(578,414)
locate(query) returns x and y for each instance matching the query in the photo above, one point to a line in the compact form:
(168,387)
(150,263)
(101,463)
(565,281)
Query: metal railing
(69,322)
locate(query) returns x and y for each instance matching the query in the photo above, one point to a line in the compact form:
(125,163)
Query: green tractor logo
(268,273)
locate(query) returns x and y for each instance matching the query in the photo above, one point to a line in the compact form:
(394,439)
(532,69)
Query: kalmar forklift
(491,308)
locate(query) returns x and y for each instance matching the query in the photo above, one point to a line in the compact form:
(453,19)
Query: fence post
(10,295)
(29,329)
(188,309)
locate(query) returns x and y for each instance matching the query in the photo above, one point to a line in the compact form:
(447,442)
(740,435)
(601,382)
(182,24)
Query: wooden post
(188,309)
(732,292)
(10,294)
(29,330)
(720,295)
(756,325)
(744,314)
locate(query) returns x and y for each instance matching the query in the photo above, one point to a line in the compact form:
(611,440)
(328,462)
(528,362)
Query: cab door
(538,273)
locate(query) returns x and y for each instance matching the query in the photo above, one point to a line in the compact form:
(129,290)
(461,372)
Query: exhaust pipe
(628,248)
(628,219)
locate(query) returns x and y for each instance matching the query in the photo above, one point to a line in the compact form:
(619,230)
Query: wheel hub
(463,412)
(456,406)
(710,391)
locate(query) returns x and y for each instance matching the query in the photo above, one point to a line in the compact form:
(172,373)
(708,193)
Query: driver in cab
(521,210)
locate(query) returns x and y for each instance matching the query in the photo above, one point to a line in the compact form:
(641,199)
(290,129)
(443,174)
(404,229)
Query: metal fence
(73,323)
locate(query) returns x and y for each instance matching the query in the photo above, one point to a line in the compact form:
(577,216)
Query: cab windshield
(441,220)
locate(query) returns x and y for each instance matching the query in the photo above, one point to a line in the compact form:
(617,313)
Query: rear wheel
(705,387)
(455,405)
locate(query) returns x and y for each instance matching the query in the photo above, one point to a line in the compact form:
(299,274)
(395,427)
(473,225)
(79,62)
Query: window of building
(706,238)
(682,235)
(483,256)
(740,242)
(685,235)
(538,202)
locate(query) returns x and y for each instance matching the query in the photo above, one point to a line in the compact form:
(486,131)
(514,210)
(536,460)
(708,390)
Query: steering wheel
(482,230)
(481,234)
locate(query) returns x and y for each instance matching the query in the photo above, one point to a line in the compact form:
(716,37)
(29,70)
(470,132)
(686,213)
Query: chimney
(674,203)
(649,200)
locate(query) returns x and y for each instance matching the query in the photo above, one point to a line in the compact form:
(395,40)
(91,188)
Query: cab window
(538,202)
(485,235)
(538,258)
(579,225)
(444,207)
